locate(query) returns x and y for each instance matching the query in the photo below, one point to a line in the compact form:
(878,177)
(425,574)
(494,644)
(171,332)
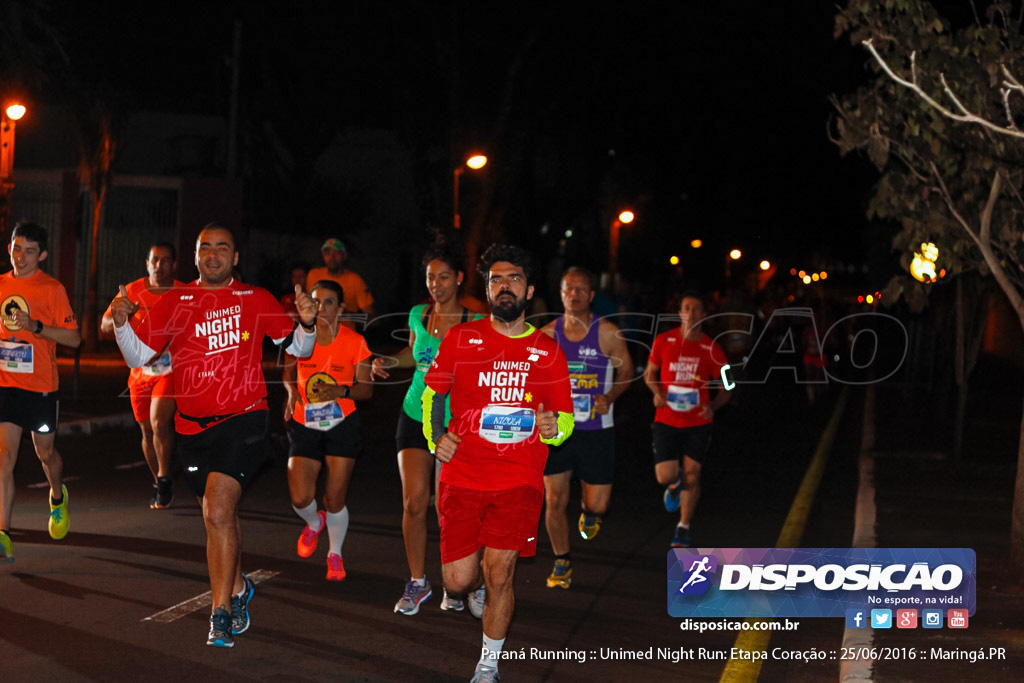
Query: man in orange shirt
(35,316)
(151,387)
(358,298)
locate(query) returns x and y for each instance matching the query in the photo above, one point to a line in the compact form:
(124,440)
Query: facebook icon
(855,618)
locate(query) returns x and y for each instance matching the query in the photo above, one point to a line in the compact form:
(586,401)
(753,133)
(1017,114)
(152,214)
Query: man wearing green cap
(357,295)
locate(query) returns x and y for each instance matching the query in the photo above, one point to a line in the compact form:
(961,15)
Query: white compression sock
(309,515)
(337,527)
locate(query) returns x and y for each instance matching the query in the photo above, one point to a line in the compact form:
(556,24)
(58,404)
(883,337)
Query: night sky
(709,118)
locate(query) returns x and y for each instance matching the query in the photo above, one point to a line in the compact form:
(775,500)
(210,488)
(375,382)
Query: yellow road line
(743,670)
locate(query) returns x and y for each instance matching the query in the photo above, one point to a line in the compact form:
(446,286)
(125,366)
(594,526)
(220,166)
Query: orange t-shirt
(28,361)
(334,364)
(146,299)
(357,294)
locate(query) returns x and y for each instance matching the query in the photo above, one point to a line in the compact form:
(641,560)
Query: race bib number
(323,416)
(505,424)
(581,407)
(682,398)
(161,365)
(16,356)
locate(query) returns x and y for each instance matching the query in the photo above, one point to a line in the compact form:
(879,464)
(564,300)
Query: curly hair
(509,253)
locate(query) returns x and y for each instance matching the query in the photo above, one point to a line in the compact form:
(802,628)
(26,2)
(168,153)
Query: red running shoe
(308,537)
(335,568)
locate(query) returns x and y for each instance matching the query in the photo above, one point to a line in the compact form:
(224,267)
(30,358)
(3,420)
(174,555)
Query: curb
(88,425)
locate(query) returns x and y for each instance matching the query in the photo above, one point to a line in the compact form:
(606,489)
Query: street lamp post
(624,218)
(475,162)
(8,117)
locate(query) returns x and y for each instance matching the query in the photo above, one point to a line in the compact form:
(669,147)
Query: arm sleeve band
(299,343)
(566,424)
(433,416)
(135,352)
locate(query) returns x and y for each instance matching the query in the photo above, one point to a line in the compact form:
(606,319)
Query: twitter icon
(881,618)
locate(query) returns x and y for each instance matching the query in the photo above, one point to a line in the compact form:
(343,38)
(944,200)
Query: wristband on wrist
(39,327)
(308,327)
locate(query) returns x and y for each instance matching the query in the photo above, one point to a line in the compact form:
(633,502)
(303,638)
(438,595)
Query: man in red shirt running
(151,387)
(214,329)
(683,363)
(508,387)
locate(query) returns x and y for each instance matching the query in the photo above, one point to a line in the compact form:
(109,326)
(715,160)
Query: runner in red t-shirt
(683,362)
(214,329)
(151,387)
(508,387)
(36,316)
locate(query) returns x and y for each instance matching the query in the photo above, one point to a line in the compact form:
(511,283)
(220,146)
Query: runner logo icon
(696,581)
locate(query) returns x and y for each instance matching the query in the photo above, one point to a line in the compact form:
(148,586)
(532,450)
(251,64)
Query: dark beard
(508,311)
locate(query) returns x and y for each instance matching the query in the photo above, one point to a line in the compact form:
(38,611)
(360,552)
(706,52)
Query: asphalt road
(111,601)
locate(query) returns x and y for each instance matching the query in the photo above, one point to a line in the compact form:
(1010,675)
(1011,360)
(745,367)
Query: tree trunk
(90,330)
(1017,524)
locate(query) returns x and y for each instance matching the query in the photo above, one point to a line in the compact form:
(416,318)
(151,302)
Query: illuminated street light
(475,162)
(625,217)
(923,265)
(735,254)
(696,244)
(8,117)
(674,260)
(765,265)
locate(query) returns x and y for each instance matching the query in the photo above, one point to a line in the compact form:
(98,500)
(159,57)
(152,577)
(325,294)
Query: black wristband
(348,390)
(308,327)
(39,327)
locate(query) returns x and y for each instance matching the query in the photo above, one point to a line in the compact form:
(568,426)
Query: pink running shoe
(335,568)
(308,537)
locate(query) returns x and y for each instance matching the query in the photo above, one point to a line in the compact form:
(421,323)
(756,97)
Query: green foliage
(905,138)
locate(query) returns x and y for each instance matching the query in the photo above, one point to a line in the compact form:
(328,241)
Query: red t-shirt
(685,369)
(335,364)
(28,361)
(216,339)
(161,365)
(494,382)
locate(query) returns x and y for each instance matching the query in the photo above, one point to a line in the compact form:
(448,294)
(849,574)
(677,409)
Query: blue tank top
(590,373)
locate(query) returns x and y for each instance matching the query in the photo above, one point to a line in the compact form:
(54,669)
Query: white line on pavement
(200,601)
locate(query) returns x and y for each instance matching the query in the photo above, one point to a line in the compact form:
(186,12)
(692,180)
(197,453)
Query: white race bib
(16,356)
(161,365)
(505,424)
(581,407)
(323,416)
(682,398)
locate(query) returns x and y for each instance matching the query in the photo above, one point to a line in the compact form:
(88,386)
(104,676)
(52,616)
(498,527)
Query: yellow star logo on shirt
(529,397)
(245,336)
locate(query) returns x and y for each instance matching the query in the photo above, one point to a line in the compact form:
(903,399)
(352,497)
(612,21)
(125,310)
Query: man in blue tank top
(600,369)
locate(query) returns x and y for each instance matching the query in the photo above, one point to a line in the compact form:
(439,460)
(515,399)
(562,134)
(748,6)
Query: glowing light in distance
(765,265)
(696,244)
(15,111)
(476,161)
(674,260)
(735,254)
(626,216)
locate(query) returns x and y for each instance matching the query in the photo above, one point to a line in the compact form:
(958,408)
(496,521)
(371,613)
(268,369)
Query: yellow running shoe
(589,525)
(59,521)
(6,547)
(561,575)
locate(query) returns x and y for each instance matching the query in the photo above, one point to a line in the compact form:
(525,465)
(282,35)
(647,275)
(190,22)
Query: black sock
(567,557)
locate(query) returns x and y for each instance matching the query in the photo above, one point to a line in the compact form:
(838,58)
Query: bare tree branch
(983,240)
(965,117)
